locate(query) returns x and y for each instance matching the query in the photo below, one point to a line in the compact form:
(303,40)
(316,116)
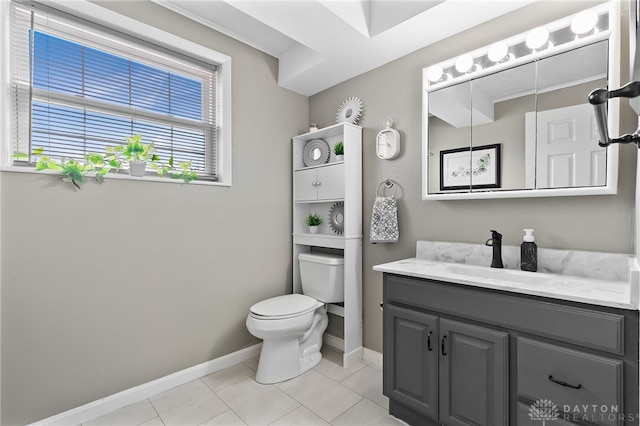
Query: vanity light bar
(581,26)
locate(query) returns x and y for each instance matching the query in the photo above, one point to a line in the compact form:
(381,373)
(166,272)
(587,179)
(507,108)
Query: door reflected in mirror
(563,135)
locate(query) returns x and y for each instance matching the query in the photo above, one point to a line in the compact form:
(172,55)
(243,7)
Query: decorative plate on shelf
(336,217)
(350,111)
(315,152)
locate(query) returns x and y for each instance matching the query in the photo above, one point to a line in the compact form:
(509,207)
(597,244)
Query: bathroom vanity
(466,344)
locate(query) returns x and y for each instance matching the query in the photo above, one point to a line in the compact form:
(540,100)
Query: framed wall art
(475,167)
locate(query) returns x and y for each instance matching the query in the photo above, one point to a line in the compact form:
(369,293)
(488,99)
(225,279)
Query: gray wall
(601,223)
(125,282)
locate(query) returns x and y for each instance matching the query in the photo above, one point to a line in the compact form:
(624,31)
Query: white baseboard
(333,341)
(113,402)
(367,355)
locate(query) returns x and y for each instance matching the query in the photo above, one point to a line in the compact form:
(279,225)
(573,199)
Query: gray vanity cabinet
(473,375)
(445,369)
(411,359)
(464,355)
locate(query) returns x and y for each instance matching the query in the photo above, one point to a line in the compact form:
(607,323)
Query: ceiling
(320,43)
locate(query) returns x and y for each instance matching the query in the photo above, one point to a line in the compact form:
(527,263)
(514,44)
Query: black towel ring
(388,184)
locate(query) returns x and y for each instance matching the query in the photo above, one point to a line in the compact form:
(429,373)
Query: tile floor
(325,395)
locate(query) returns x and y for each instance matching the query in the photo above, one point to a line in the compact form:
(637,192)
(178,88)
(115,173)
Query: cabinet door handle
(429,348)
(565,384)
(444,338)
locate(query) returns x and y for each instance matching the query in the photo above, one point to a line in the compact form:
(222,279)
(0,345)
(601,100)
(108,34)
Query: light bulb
(498,52)
(464,64)
(537,38)
(435,73)
(584,22)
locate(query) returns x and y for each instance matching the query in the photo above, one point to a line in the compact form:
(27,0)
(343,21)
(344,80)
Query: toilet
(291,326)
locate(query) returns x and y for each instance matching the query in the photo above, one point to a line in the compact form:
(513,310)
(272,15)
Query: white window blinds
(77,88)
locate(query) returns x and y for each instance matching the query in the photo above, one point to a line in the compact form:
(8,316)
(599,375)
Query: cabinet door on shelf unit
(319,183)
(304,185)
(331,182)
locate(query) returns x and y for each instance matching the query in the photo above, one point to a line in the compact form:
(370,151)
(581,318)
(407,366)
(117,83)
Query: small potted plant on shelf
(338,149)
(314,221)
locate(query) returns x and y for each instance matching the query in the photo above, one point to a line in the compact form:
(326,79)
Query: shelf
(323,240)
(335,309)
(331,200)
(315,190)
(331,163)
(327,132)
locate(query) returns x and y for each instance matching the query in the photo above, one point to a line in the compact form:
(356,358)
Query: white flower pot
(137,168)
(313,229)
(340,157)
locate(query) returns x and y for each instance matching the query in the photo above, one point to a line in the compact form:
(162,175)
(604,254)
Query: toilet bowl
(291,326)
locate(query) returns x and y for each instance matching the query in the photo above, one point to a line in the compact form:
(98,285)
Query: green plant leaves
(100,165)
(338,148)
(313,219)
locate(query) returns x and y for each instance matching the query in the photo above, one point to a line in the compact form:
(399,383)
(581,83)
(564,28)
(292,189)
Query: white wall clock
(388,142)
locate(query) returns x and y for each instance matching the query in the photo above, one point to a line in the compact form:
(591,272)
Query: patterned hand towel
(384,220)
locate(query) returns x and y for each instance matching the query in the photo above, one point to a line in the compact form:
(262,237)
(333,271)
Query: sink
(473,271)
(605,279)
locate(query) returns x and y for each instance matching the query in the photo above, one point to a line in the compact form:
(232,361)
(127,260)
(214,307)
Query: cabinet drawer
(570,379)
(585,327)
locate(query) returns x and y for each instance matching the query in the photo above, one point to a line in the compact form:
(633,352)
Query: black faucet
(496,242)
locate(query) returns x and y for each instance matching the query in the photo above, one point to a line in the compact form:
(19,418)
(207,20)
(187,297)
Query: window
(77,88)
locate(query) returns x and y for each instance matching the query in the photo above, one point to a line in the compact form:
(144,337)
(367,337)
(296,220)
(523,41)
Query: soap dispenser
(528,252)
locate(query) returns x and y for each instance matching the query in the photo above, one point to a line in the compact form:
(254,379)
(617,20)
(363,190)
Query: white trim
(125,176)
(95,13)
(113,402)
(333,341)
(611,186)
(4,113)
(348,359)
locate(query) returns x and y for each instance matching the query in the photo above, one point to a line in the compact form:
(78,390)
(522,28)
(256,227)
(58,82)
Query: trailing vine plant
(98,165)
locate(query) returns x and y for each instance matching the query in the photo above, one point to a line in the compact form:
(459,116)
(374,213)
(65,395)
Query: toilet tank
(322,276)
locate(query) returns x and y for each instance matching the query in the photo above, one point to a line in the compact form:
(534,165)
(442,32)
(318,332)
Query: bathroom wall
(601,223)
(125,282)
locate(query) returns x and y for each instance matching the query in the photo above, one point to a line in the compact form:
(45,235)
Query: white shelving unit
(315,190)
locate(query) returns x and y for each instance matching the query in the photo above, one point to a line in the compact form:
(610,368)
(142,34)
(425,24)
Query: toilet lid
(290,304)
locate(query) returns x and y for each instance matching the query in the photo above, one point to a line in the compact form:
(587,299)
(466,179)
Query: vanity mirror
(526,99)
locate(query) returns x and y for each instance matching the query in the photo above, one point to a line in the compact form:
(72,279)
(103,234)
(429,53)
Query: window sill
(121,176)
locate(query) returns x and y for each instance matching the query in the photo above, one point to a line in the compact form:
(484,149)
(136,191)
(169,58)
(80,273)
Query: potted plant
(313,221)
(338,149)
(136,153)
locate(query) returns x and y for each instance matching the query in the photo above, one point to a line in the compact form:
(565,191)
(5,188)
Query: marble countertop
(612,293)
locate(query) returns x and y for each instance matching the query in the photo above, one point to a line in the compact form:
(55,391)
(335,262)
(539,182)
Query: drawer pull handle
(429,348)
(442,346)
(565,384)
